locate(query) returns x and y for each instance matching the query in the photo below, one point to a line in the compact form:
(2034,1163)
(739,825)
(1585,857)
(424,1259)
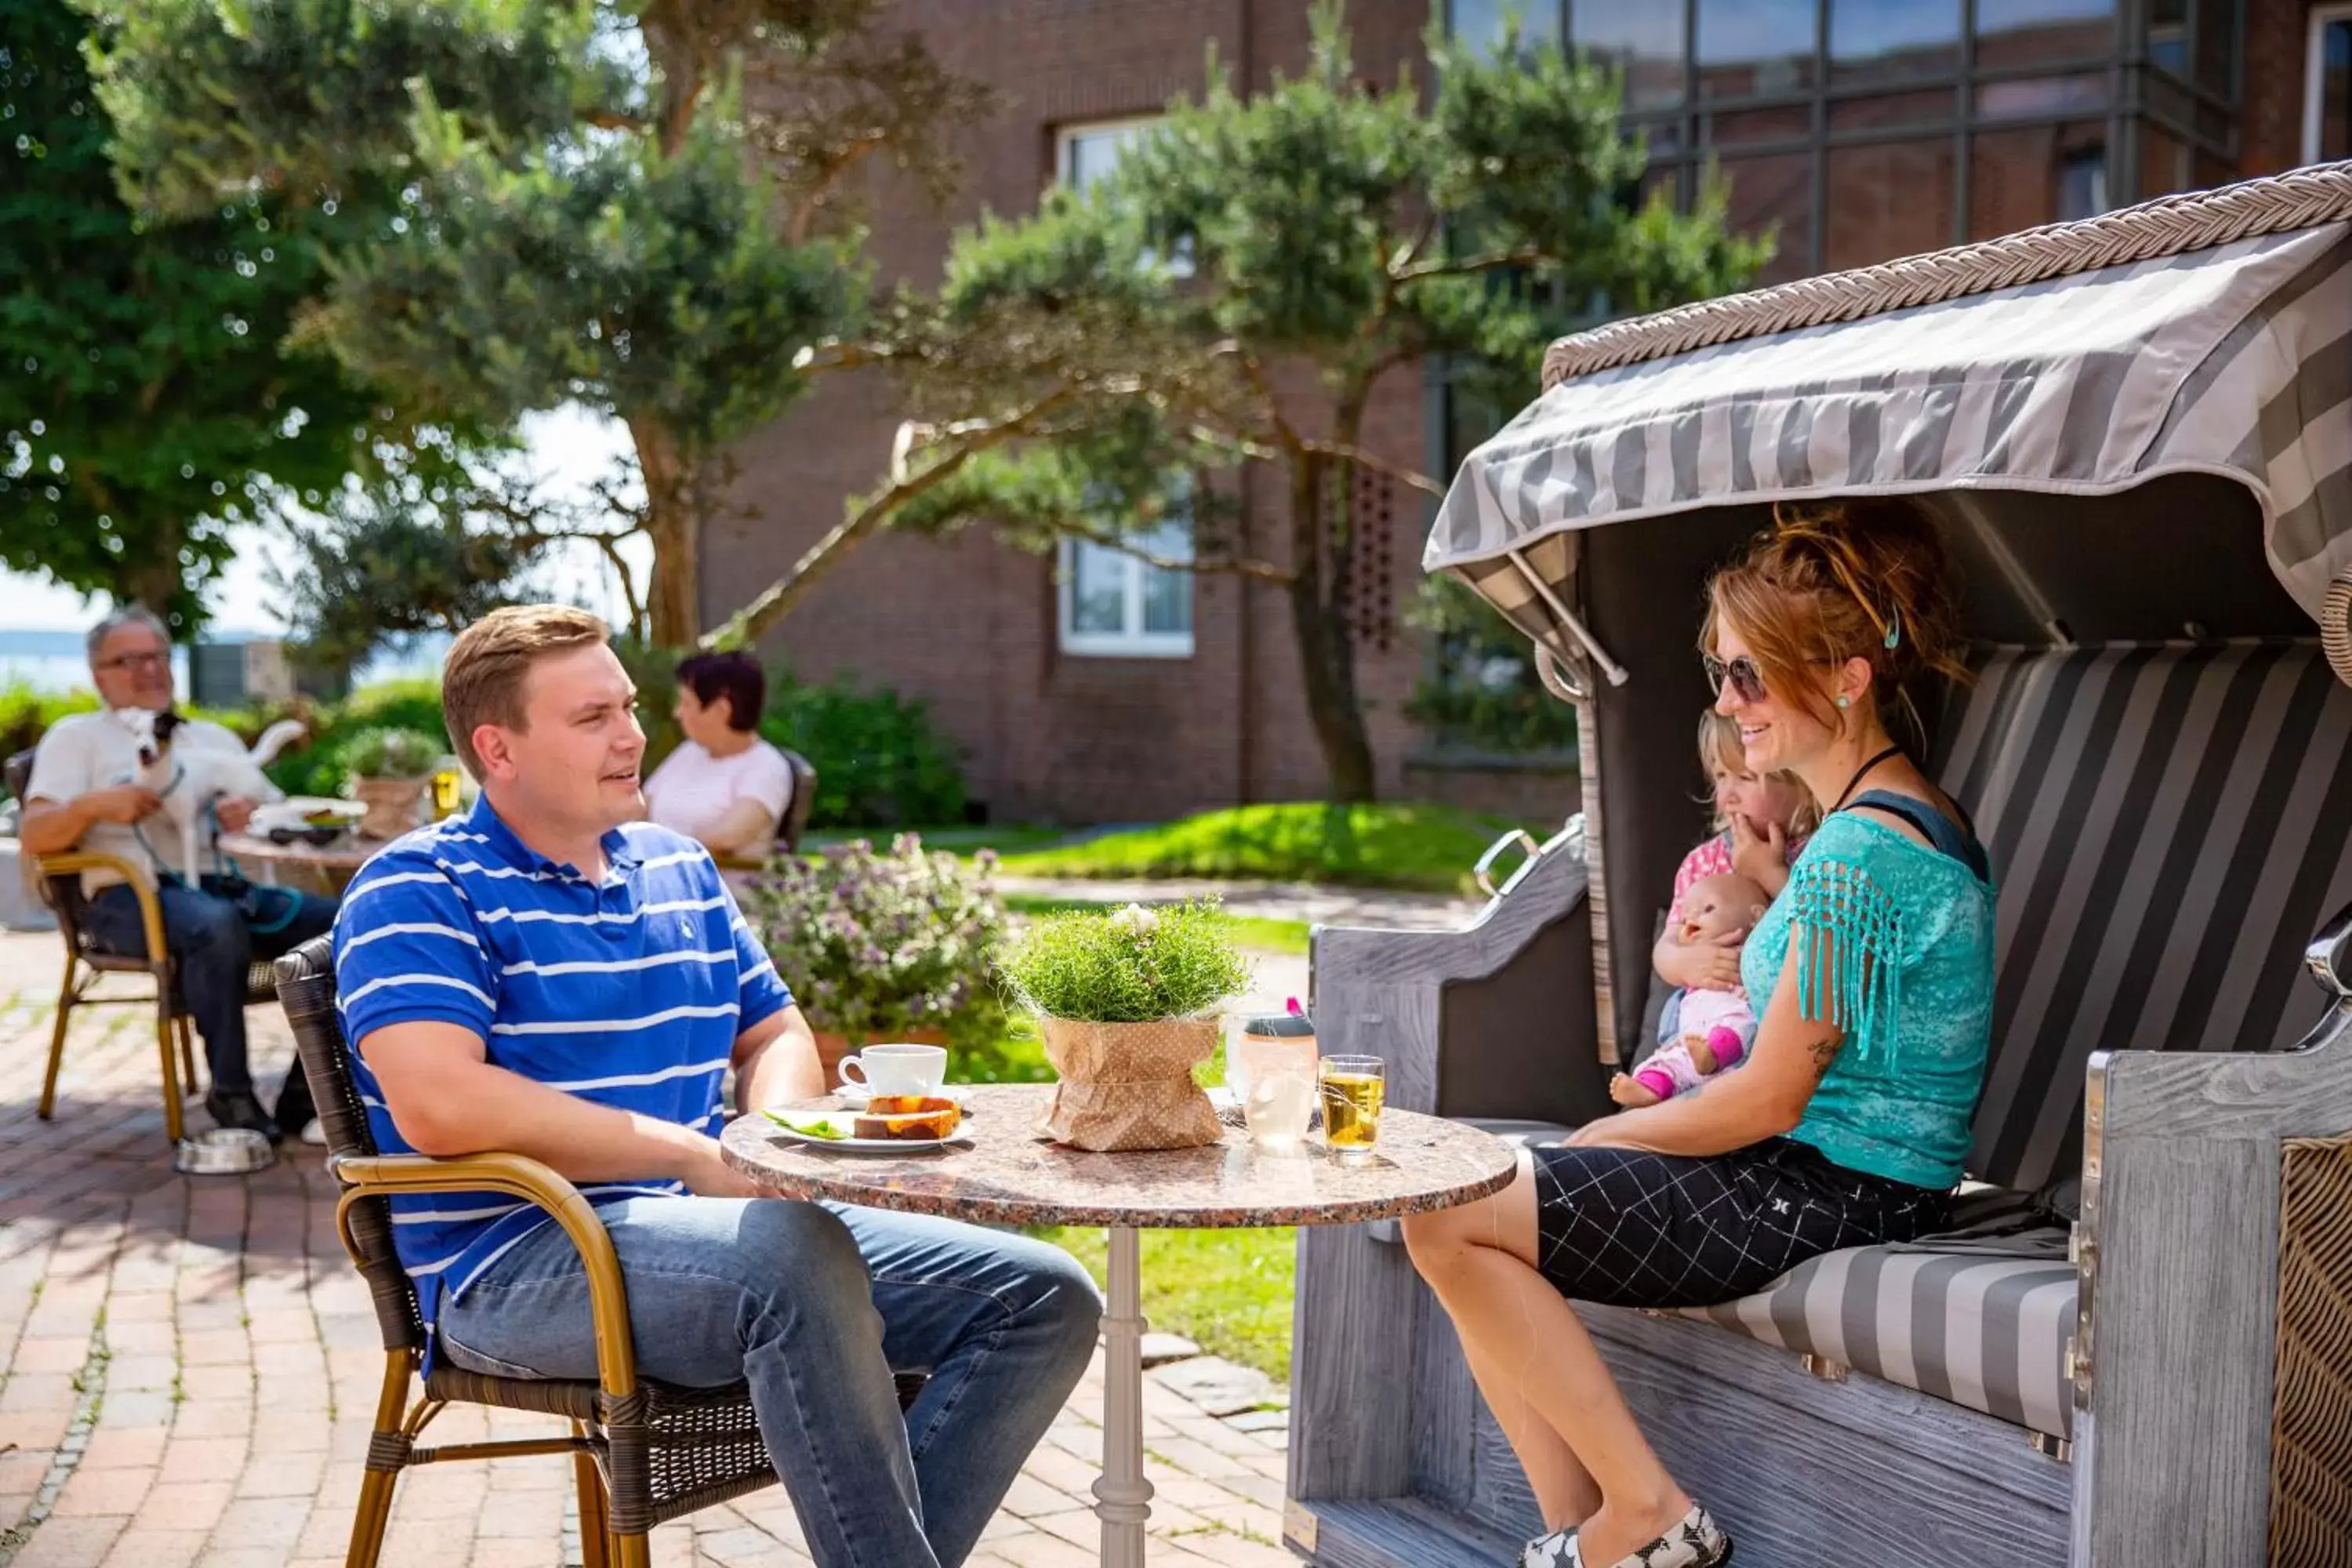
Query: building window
(1116,605)
(1482,24)
(1085,153)
(2328,104)
(1859,131)
(2081,183)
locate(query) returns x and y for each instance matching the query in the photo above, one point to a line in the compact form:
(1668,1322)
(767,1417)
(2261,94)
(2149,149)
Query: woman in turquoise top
(1848,1123)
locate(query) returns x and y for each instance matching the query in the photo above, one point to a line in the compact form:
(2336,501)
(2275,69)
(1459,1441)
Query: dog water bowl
(224,1152)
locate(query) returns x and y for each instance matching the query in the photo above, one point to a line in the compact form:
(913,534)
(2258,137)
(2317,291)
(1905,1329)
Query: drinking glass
(446,784)
(1354,1089)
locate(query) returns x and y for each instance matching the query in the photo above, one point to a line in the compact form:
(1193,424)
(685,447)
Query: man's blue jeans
(814,1305)
(216,946)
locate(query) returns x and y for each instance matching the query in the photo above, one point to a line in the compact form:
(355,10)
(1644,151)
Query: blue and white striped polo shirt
(630,995)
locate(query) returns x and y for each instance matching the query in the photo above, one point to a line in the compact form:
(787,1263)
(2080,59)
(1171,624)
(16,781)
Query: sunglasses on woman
(1746,680)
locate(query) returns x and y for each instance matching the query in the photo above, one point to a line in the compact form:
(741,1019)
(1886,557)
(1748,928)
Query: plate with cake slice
(890,1124)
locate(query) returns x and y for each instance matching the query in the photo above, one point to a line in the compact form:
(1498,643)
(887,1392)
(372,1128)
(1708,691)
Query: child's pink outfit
(1722,1018)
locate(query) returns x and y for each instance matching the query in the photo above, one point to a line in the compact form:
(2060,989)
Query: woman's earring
(1846,701)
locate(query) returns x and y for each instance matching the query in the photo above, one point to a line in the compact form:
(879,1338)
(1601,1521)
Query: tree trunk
(1326,650)
(153,578)
(674,522)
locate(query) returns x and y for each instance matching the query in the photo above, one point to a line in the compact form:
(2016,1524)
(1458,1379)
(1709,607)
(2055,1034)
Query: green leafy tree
(641,208)
(401,555)
(1235,292)
(148,401)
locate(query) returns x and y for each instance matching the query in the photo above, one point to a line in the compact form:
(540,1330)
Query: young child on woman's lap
(1715,1025)
(1761,823)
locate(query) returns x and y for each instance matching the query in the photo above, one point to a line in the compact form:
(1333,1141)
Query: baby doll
(1715,1025)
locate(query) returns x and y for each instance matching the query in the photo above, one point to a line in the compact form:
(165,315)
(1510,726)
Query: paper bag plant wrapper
(1127,1007)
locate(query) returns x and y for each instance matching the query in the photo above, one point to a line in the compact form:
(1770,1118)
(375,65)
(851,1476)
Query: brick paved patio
(187,1368)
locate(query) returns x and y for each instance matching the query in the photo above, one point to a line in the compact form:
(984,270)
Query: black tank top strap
(1954,839)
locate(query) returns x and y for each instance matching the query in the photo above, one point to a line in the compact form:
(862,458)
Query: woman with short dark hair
(724,786)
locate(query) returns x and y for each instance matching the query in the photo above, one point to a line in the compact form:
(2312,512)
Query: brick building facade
(1861,129)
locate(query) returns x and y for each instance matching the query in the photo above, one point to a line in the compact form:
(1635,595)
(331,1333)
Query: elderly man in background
(85,794)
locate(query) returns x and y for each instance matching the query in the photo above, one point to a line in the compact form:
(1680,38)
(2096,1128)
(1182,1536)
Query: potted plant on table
(390,771)
(890,947)
(1127,1003)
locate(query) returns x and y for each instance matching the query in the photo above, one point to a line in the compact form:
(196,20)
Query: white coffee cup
(897,1069)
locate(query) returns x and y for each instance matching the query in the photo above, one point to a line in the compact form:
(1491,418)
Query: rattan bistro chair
(58,878)
(643,1453)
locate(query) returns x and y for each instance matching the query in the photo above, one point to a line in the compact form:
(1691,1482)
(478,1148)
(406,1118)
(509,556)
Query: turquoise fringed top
(1894,945)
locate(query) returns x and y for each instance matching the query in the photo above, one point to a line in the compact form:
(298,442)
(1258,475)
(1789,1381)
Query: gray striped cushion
(1986,1331)
(2169,826)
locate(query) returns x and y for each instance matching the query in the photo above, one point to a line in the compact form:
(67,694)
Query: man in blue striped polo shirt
(550,975)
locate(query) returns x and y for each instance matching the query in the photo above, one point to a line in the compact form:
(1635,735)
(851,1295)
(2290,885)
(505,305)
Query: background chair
(797,809)
(795,819)
(59,878)
(643,1452)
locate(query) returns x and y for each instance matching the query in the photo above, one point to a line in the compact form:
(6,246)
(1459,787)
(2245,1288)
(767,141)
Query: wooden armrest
(74,862)
(519,1176)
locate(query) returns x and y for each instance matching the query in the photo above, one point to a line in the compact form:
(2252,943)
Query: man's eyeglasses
(1746,680)
(137,661)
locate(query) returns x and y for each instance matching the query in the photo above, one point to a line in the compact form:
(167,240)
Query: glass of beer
(446,787)
(1354,1089)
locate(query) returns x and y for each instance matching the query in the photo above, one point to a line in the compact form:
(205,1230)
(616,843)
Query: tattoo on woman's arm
(1825,1052)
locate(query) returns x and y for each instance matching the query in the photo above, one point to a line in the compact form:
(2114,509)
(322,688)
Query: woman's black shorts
(1627,1228)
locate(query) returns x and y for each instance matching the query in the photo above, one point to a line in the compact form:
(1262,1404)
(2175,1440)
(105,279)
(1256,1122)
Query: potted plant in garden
(390,771)
(890,947)
(1126,1003)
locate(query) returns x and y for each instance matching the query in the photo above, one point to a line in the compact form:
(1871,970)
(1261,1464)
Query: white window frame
(2315,73)
(1065,140)
(1130,641)
(1065,137)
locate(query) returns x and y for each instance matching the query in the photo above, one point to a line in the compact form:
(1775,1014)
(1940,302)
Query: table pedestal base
(1122,1496)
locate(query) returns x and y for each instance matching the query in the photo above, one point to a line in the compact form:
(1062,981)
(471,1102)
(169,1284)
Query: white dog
(190,779)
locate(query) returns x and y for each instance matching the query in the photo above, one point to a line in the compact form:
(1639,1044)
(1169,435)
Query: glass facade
(1858,130)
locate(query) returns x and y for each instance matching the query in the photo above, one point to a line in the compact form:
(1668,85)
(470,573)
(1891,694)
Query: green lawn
(1227,1290)
(1411,847)
(1005,838)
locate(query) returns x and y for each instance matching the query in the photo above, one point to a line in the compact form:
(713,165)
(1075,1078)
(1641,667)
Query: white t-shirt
(692,791)
(89,751)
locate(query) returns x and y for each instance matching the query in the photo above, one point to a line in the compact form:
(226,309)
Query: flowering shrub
(876,945)
(1129,967)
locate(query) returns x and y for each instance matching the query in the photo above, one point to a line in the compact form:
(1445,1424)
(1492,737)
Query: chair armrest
(1384,992)
(2178,1251)
(519,1176)
(74,862)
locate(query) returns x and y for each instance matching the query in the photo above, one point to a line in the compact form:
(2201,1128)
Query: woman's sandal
(1692,1543)
(1554,1550)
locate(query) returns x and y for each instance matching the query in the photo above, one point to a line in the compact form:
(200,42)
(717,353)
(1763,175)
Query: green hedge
(318,767)
(26,714)
(879,761)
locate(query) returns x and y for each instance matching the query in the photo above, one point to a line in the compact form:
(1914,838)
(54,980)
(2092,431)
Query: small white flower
(1135,920)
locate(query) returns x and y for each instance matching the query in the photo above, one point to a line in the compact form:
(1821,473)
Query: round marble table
(330,865)
(999,1172)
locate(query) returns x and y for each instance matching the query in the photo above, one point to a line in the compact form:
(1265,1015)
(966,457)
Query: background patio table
(315,867)
(999,1172)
